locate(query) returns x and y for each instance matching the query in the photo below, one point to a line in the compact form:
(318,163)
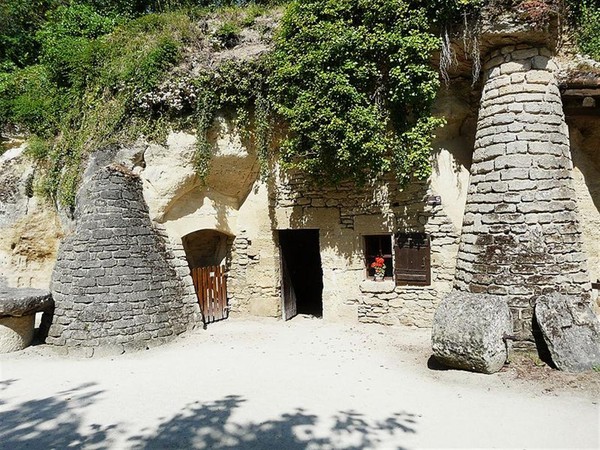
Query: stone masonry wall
(521,236)
(241,290)
(115,285)
(351,213)
(388,304)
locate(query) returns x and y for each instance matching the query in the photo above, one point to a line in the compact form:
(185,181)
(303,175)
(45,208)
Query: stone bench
(17,316)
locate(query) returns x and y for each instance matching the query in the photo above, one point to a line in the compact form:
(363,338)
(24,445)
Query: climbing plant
(587,26)
(354,82)
(351,80)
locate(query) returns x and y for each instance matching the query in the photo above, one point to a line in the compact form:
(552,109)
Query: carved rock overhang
(580,91)
(493,30)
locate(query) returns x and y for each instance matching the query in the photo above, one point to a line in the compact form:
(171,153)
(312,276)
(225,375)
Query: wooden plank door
(413,261)
(290,305)
(211,288)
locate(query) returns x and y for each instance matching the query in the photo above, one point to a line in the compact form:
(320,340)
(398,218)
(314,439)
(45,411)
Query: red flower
(379,262)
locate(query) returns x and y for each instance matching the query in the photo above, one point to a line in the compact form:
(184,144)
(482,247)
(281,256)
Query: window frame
(388,257)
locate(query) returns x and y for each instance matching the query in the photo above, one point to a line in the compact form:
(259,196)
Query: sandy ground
(300,384)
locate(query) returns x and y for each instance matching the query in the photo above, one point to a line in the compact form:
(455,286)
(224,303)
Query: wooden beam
(582,111)
(581,93)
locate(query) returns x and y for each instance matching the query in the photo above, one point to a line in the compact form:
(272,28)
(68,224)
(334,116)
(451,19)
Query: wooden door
(211,288)
(290,305)
(413,261)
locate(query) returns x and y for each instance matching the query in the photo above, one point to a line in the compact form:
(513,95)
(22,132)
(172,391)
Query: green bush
(351,78)
(38,149)
(228,34)
(33,100)
(69,42)
(20,19)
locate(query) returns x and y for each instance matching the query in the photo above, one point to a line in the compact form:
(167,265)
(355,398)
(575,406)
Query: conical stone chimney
(521,235)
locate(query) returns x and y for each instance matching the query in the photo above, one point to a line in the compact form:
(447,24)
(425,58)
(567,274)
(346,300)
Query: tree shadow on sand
(209,426)
(51,422)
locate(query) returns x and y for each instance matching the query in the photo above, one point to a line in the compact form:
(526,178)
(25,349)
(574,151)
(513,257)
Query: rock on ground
(571,331)
(468,331)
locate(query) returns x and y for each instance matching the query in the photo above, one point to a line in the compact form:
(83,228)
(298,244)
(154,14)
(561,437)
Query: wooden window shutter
(413,259)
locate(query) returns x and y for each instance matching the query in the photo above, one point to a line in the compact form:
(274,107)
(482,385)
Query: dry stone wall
(521,236)
(115,285)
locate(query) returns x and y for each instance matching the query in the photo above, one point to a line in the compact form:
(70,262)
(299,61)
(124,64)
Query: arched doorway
(207,248)
(208,253)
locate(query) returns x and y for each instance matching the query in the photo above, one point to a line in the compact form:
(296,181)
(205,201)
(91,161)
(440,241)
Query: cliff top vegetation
(352,80)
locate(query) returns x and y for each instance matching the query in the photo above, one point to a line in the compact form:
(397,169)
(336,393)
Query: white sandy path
(269,384)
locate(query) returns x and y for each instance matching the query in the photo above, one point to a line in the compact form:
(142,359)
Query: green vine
(587,25)
(353,80)
(236,89)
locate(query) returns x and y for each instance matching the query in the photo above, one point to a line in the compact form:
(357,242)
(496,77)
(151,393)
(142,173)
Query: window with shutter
(412,259)
(379,245)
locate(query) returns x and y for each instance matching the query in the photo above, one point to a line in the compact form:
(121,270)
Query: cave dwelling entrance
(301,273)
(207,252)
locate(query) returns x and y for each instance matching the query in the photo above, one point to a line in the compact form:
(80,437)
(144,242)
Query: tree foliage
(351,79)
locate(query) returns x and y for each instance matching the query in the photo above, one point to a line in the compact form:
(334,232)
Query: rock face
(521,236)
(571,331)
(30,229)
(115,284)
(468,331)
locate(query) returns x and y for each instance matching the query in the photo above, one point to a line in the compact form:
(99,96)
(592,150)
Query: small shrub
(539,12)
(35,101)
(37,148)
(228,35)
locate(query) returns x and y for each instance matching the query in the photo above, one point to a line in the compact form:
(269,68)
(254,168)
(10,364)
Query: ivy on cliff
(72,74)
(587,23)
(353,79)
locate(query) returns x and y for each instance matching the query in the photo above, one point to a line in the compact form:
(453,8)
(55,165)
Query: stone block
(540,62)
(468,332)
(512,161)
(571,330)
(24,302)
(525,53)
(16,333)
(515,66)
(376,287)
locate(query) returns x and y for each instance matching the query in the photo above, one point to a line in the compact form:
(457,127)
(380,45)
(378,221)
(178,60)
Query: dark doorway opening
(302,275)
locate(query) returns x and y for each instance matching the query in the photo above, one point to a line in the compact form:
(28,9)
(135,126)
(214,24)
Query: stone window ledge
(378,287)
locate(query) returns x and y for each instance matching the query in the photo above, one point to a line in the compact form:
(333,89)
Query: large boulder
(468,332)
(571,331)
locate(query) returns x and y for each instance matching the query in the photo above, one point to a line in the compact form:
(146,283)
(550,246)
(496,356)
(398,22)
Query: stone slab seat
(17,315)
